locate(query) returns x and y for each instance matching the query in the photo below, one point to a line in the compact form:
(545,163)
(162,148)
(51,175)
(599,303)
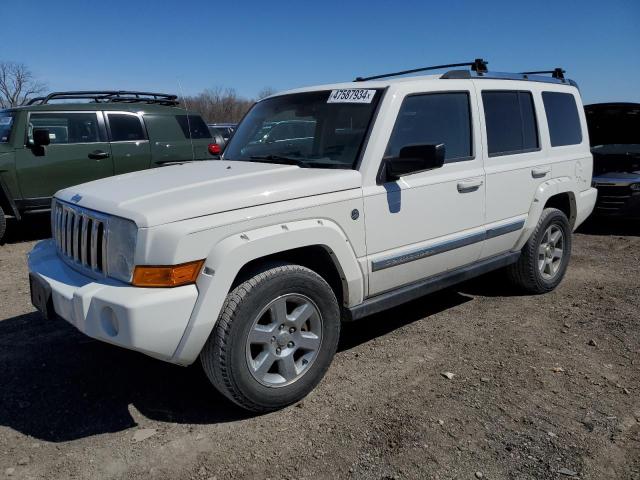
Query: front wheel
(546,254)
(275,338)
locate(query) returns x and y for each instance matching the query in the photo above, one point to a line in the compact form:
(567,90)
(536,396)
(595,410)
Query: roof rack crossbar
(99,96)
(478,65)
(555,73)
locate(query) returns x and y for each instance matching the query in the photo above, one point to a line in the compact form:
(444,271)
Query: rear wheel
(275,338)
(546,254)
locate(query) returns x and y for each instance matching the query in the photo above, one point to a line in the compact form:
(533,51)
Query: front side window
(125,128)
(66,127)
(563,118)
(434,118)
(6,125)
(306,129)
(511,122)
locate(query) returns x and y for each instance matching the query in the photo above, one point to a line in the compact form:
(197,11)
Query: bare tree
(219,105)
(266,92)
(17,84)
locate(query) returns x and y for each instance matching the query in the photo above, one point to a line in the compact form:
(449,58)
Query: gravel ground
(544,387)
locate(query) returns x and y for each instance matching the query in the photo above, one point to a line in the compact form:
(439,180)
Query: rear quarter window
(562,118)
(193,126)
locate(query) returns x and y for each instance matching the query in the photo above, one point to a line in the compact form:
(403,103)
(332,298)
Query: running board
(426,286)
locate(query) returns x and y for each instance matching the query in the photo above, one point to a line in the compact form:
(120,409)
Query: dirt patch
(543,387)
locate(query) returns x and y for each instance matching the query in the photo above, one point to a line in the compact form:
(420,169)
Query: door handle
(466,186)
(539,172)
(98,154)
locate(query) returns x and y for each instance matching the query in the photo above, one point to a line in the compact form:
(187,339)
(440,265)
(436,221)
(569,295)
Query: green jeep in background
(68,138)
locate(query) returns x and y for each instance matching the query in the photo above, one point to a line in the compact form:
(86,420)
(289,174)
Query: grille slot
(612,198)
(81,236)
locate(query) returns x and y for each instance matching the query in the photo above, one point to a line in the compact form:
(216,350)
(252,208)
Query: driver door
(79,152)
(428,222)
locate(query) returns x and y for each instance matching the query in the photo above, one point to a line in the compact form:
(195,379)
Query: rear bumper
(148,320)
(585,203)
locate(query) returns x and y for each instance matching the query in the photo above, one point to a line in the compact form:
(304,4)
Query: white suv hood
(168,194)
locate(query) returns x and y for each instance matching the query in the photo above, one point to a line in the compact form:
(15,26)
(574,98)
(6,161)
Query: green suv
(67,138)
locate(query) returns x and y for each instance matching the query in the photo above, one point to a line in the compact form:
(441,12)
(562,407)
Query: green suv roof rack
(109,96)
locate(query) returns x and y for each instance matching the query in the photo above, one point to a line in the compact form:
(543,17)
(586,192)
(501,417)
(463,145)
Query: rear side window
(562,117)
(193,124)
(511,122)
(6,122)
(125,128)
(66,127)
(434,118)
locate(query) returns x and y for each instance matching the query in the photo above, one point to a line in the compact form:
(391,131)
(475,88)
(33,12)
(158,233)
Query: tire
(253,311)
(3,226)
(538,270)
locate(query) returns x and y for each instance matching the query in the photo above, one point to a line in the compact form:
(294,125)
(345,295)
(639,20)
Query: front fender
(230,254)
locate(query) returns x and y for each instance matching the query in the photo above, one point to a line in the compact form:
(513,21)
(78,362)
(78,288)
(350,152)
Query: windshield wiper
(278,159)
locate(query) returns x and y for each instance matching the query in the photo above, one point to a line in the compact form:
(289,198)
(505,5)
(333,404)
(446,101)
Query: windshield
(324,129)
(6,122)
(615,125)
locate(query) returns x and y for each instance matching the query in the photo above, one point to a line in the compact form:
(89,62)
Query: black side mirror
(41,137)
(414,159)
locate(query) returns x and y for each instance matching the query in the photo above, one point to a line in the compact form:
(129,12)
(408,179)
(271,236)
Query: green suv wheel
(3,225)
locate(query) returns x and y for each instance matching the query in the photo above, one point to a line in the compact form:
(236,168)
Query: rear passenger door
(514,163)
(78,153)
(430,221)
(129,143)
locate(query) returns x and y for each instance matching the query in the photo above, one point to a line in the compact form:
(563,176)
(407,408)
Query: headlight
(121,246)
(635,187)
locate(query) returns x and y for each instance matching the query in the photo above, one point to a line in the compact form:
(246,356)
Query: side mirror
(41,137)
(414,159)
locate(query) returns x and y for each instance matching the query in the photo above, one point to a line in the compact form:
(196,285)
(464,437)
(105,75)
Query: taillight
(214,149)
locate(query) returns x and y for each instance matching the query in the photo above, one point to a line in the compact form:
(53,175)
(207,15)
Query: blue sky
(249,45)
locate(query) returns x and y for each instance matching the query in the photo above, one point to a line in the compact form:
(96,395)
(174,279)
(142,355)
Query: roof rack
(555,73)
(478,65)
(109,96)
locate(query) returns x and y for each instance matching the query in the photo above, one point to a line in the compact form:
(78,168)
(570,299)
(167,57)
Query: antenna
(184,100)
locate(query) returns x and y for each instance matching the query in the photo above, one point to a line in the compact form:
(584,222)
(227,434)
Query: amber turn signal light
(167,276)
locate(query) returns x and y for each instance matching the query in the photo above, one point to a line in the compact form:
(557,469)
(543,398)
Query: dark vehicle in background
(68,138)
(614,132)
(225,130)
(294,136)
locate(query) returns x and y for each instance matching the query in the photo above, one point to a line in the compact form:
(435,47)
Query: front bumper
(616,198)
(148,320)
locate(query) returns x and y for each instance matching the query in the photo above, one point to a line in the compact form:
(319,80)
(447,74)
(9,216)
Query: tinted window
(125,127)
(66,127)
(432,119)
(562,117)
(511,122)
(6,121)
(193,124)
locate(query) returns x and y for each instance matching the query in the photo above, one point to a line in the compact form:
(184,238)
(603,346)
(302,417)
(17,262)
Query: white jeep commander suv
(365,195)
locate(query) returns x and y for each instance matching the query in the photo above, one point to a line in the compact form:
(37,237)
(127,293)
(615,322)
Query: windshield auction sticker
(351,95)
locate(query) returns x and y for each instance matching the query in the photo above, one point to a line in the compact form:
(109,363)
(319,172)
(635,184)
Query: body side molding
(463,241)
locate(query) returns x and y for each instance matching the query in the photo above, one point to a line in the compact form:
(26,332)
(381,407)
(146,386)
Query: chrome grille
(80,236)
